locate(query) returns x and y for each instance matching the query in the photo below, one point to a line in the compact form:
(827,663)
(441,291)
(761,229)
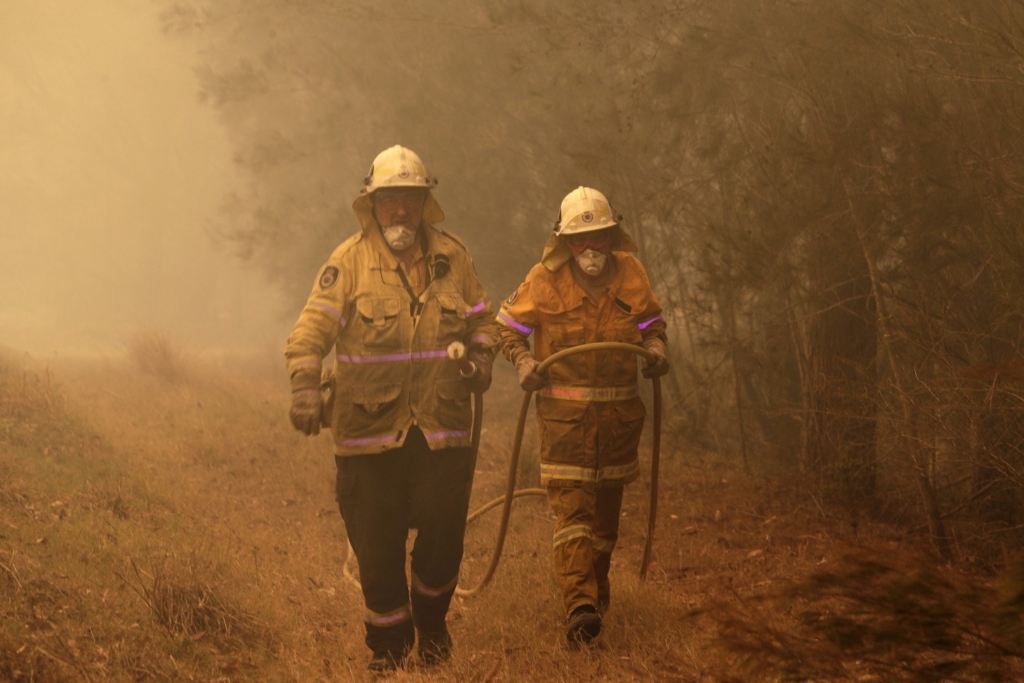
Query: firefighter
(389,301)
(587,288)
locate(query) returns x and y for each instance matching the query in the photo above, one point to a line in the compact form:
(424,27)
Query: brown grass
(153,353)
(189,607)
(175,531)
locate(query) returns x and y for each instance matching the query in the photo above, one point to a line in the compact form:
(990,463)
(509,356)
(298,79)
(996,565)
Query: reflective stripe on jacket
(391,365)
(590,416)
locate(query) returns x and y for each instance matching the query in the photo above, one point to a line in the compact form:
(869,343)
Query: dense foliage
(827,196)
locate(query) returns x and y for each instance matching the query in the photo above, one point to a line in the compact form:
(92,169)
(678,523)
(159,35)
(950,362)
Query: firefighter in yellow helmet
(587,288)
(389,302)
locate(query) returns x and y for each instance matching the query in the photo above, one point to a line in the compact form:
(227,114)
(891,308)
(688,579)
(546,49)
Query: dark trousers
(381,497)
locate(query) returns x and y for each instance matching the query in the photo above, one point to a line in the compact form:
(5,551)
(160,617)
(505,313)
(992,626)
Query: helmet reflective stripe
(398,167)
(585,210)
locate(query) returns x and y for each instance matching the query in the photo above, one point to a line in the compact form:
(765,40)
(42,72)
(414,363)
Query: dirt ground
(174,527)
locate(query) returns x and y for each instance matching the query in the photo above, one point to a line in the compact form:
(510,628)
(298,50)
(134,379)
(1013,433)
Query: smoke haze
(110,173)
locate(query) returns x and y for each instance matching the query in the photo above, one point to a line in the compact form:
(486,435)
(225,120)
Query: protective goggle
(597,240)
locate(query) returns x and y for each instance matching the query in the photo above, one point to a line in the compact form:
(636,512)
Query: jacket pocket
(375,398)
(563,432)
(453,409)
(451,322)
(565,335)
(630,411)
(622,432)
(378,318)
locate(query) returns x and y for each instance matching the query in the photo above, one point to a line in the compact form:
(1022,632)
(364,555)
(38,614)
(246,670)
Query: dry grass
(182,531)
(153,353)
(190,607)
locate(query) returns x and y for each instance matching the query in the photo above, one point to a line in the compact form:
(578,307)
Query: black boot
(584,625)
(428,613)
(391,646)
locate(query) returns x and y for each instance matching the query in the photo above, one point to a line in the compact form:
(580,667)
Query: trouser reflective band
(569,392)
(550,471)
(390,633)
(419,587)
(391,618)
(572,532)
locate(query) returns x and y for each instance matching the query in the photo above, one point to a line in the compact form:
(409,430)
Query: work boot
(391,646)
(435,647)
(384,662)
(428,613)
(584,625)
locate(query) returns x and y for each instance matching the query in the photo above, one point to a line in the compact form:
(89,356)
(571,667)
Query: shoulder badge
(328,277)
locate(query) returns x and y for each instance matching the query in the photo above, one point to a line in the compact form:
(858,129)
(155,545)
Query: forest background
(827,198)
(826,195)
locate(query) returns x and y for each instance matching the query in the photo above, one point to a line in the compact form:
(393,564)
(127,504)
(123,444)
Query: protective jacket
(390,344)
(590,414)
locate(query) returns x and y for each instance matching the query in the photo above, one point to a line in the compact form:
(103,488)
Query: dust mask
(399,237)
(592,262)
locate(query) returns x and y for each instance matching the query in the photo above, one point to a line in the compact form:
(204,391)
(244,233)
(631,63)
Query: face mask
(592,262)
(399,237)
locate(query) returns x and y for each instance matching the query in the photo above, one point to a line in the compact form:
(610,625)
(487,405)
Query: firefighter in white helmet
(389,302)
(587,288)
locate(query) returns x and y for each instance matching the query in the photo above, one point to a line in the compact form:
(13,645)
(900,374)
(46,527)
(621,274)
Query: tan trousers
(586,530)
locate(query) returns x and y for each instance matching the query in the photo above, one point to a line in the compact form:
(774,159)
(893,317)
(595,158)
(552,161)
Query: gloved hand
(307,406)
(658,366)
(529,378)
(480,381)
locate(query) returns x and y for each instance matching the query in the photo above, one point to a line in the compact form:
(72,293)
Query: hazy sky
(110,173)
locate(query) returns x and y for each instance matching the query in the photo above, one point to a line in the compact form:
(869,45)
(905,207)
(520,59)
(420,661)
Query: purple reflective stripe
(476,309)
(643,325)
(430,354)
(391,357)
(367,441)
(481,339)
(433,436)
(330,309)
(307,363)
(507,320)
(396,617)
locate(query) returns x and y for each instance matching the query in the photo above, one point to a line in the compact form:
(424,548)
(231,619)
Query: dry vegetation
(179,530)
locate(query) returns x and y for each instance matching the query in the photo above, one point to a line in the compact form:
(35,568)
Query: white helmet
(397,167)
(585,210)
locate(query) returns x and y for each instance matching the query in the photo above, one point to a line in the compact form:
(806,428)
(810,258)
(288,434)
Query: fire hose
(511,492)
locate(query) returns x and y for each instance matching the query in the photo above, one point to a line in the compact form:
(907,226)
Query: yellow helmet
(584,210)
(397,167)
